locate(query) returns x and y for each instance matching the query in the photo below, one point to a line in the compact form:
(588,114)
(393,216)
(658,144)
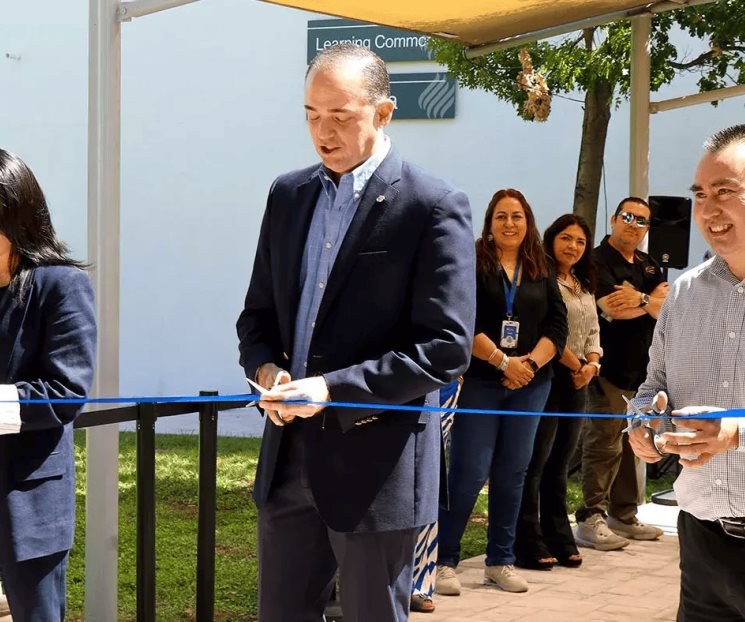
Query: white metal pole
(104,158)
(138,8)
(641,28)
(639,145)
(697,98)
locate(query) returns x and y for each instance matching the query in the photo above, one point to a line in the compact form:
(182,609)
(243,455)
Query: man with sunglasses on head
(698,357)
(629,294)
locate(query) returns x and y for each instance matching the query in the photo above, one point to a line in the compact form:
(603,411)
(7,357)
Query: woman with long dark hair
(544,536)
(47,347)
(520,326)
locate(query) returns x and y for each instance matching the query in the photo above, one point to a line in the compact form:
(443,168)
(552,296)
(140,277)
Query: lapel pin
(380,198)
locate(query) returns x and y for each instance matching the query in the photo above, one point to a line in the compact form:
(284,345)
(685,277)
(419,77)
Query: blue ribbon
(255,397)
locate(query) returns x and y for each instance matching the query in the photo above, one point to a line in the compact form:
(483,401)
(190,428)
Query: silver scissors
(640,421)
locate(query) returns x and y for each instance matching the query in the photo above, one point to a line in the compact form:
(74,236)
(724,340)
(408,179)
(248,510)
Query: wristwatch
(533,365)
(596,365)
(645,301)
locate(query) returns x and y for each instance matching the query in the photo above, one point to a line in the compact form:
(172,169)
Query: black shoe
(573,560)
(542,563)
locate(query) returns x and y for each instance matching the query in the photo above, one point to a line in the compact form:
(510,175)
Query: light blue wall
(44,101)
(211,113)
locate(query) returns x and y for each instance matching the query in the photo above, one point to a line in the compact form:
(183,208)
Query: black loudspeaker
(670,230)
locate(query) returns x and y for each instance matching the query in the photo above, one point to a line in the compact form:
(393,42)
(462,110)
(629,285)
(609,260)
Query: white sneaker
(446,581)
(505,577)
(594,533)
(635,530)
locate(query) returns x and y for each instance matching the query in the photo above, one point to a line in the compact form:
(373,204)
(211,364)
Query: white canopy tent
(482,25)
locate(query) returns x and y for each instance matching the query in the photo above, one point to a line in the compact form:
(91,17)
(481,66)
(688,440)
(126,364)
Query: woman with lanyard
(520,326)
(544,536)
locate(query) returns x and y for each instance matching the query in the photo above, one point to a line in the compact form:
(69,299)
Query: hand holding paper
(701,439)
(276,376)
(312,389)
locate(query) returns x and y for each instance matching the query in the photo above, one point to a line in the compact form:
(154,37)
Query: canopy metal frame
(104,170)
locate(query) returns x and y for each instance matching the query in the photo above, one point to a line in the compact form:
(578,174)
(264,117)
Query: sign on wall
(391,44)
(423,95)
(417,95)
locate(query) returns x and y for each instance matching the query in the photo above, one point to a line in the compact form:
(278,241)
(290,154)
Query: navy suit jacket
(395,324)
(53,336)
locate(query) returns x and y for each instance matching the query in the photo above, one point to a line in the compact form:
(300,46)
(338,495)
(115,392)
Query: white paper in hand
(10,409)
(259,389)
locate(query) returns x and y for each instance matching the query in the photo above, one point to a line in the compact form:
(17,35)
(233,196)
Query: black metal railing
(146,415)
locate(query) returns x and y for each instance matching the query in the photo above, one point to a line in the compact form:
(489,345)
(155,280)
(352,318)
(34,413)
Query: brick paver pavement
(637,584)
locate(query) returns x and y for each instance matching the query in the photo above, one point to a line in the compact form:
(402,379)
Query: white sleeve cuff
(10,409)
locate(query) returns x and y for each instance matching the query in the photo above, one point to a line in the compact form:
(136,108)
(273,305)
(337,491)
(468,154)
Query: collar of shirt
(359,176)
(575,289)
(720,268)
(609,248)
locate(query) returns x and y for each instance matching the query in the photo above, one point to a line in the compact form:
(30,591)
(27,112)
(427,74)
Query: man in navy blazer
(363,290)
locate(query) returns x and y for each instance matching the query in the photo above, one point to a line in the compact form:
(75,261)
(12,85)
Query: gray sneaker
(635,530)
(594,533)
(446,581)
(505,577)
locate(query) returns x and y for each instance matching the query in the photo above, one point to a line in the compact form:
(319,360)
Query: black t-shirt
(538,307)
(625,342)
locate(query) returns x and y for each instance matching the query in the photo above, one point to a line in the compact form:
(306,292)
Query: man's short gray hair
(374,71)
(725,138)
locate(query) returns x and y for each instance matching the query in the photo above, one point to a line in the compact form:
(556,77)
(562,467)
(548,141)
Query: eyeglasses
(628,218)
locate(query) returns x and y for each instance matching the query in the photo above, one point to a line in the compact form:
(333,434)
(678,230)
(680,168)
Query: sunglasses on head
(628,218)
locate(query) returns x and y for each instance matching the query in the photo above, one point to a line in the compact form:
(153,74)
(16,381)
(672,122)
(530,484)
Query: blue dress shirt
(333,213)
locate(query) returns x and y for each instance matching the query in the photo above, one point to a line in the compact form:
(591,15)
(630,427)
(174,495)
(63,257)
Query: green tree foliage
(597,61)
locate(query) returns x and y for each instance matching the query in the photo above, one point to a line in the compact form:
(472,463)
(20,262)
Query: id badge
(510,332)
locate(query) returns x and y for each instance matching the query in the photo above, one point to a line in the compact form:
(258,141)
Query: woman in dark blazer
(520,326)
(47,347)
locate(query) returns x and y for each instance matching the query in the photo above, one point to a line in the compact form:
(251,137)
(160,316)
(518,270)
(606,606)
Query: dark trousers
(543,528)
(299,556)
(36,588)
(712,572)
(496,447)
(609,467)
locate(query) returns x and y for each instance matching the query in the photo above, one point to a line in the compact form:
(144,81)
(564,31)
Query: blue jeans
(36,588)
(497,447)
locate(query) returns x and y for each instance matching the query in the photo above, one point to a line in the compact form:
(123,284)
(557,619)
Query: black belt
(734,527)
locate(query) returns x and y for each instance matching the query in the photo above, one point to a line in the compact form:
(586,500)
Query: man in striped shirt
(698,359)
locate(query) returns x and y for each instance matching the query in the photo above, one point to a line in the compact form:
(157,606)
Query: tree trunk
(592,151)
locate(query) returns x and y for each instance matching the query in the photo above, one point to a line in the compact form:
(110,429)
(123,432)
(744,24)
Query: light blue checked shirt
(698,358)
(335,208)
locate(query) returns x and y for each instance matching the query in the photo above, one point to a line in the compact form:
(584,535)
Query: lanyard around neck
(511,292)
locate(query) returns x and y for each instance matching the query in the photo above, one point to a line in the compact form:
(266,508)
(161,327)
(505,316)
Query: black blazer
(538,307)
(53,337)
(395,324)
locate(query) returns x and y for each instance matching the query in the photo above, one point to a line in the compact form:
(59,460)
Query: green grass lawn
(236,566)
(177,475)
